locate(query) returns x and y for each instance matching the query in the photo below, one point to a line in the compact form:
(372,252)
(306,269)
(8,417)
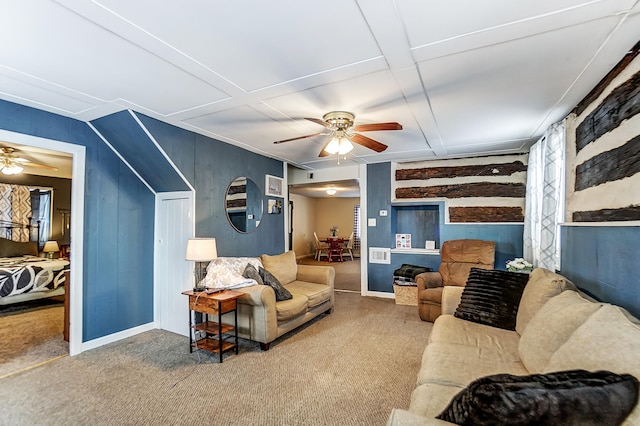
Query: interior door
(173,274)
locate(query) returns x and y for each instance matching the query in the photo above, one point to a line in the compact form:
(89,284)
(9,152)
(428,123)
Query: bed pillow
(575,397)
(491,297)
(10,248)
(270,280)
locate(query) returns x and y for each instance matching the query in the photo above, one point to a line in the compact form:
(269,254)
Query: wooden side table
(212,307)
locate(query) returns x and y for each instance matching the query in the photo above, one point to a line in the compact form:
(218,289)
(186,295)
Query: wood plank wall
(476,190)
(603,149)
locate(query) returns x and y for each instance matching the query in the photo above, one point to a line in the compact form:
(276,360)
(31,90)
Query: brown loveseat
(458,257)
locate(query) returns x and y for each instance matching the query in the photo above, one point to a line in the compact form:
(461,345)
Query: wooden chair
(322,249)
(348,248)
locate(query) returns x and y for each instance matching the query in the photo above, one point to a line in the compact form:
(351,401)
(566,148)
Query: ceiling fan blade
(324,153)
(300,137)
(368,143)
(377,126)
(39,166)
(320,122)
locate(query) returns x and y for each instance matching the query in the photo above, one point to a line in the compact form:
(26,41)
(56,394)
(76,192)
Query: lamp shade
(51,246)
(201,249)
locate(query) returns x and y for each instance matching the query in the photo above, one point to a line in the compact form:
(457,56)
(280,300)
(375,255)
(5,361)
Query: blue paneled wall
(210,166)
(119,214)
(508,238)
(603,260)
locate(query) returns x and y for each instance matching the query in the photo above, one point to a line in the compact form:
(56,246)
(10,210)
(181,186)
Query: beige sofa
(262,319)
(557,329)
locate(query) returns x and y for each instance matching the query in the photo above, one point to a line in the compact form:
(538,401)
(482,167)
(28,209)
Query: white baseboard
(95,343)
(382,294)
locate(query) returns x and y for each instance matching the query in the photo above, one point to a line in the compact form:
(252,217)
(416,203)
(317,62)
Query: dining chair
(348,248)
(322,249)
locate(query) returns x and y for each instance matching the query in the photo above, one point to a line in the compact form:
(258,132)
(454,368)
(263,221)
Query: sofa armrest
(429,280)
(316,274)
(406,418)
(451,295)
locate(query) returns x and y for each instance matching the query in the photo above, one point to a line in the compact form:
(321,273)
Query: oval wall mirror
(243,204)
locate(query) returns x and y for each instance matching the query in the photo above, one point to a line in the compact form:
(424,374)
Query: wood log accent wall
(476,190)
(603,149)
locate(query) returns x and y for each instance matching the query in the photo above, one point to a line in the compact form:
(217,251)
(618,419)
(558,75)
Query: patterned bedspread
(27,274)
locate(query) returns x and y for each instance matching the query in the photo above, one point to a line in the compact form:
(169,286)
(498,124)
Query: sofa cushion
(457,365)
(430,399)
(268,279)
(282,266)
(316,293)
(574,397)
(542,286)
(608,340)
(449,329)
(551,326)
(291,308)
(492,297)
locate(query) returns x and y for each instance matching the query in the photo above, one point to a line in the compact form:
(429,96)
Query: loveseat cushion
(575,397)
(542,286)
(282,266)
(608,340)
(492,297)
(294,307)
(551,326)
(315,293)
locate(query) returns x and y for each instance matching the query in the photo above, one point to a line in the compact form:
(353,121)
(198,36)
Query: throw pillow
(282,266)
(252,273)
(492,297)
(576,397)
(268,279)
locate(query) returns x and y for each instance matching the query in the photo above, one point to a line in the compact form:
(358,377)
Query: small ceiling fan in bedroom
(340,125)
(10,164)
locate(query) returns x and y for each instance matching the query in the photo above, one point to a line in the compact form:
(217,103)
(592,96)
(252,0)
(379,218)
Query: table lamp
(50,247)
(202,251)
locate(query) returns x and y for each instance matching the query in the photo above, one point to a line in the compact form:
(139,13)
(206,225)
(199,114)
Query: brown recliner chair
(458,257)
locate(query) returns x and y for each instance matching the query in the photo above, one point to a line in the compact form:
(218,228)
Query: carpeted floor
(350,367)
(31,334)
(347,272)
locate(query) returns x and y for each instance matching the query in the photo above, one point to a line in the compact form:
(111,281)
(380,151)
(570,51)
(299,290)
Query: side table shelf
(219,338)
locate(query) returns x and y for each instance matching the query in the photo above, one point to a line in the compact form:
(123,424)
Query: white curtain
(544,205)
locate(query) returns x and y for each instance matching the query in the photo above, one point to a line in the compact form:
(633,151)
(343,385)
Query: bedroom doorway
(75,221)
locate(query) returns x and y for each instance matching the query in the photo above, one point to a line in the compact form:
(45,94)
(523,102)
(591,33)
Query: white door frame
(78,153)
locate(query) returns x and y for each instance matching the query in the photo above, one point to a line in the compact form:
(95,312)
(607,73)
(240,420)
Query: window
(41,202)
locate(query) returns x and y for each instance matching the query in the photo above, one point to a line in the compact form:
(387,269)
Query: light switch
(383,212)
(372,221)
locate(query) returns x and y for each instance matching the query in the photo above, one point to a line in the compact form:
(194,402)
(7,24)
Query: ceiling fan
(342,130)
(10,164)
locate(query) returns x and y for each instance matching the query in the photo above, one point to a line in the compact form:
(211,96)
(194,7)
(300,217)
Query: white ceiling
(463,77)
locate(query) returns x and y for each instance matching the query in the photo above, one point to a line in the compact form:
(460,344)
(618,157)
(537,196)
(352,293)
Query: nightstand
(218,337)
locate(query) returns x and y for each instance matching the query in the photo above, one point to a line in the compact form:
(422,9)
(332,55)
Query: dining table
(336,245)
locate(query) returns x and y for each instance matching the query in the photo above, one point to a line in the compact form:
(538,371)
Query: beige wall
(319,215)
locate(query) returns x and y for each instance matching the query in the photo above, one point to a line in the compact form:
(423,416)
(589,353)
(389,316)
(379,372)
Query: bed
(24,276)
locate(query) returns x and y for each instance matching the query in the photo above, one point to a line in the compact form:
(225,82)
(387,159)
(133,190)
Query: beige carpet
(347,368)
(347,272)
(31,337)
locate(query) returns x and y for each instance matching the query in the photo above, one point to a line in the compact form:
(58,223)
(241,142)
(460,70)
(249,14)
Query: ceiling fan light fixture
(11,169)
(331,191)
(339,145)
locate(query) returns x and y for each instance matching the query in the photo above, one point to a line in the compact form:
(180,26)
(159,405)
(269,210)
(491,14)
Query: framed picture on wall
(274,186)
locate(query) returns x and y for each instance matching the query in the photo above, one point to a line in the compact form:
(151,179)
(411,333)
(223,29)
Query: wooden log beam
(486,214)
(609,166)
(240,202)
(608,215)
(237,189)
(621,104)
(495,169)
(478,189)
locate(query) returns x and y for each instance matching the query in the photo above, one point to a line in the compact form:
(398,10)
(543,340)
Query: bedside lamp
(202,251)
(50,247)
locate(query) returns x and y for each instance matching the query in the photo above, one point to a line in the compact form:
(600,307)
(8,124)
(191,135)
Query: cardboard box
(406,294)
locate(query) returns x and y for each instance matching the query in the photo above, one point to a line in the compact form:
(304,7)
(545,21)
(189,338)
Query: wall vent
(379,255)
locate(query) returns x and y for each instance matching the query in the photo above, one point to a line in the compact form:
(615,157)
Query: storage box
(406,294)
